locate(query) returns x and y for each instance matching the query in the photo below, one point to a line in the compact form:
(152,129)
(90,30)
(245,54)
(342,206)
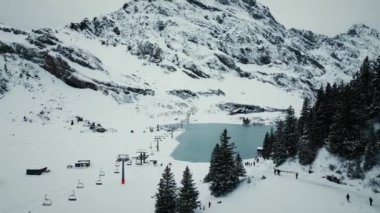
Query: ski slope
(55,143)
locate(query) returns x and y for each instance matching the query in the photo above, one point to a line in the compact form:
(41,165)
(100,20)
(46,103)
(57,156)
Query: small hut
(36,171)
(83,163)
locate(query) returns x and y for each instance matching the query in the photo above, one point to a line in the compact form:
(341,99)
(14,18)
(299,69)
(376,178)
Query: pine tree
(344,135)
(362,92)
(267,146)
(239,166)
(375,105)
(372,150)
(167,195)
(290,133)
(307,151)
(225,177)
(279,149)
(304,115)
(272,139)
(214,164)
(363,83)
(318,117)
(246,121)
(188,194)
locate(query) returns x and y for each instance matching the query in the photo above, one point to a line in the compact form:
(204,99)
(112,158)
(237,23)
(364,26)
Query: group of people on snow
(370,199)
(277,172)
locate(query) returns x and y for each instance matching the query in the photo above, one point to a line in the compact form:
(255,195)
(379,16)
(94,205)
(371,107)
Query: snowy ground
(48,139)
(55,143)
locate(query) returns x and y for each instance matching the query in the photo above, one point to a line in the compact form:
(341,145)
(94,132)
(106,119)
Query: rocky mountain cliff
(200,41)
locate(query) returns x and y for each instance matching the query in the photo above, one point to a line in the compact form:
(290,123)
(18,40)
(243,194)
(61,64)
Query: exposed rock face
(234,108)
(4,79)
(80,57)
(216,29)
(60,69)
(184,94)
(57,66)
(229,62)
(202,6)
(43,38)
(12,30)
(195,70)
(212,92)
(206,40)
(149,51)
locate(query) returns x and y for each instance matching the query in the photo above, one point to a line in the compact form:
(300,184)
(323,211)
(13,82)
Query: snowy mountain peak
(362,30)
(195,41)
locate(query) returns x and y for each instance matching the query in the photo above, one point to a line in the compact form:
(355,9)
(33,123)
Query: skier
(275,171)
(209,204)
(254,164)
(296,175)
(348,197)
(370,201)
(278,172)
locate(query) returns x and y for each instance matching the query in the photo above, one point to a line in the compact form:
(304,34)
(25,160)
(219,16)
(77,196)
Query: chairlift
(72,197)
(99,181)
(47,202)
(80,185)
(116,171)
(117,164)
(101,173)
(129,163)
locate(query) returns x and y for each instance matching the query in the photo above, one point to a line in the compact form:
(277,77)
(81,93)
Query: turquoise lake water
(198,140)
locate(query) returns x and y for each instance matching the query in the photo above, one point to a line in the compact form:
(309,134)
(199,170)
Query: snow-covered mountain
(95,89)
(209,55)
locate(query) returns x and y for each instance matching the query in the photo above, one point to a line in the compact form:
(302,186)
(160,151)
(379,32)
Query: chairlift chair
(80,185)
(47,202)
(72,197)
(116,171)
(99,181)
(101,173)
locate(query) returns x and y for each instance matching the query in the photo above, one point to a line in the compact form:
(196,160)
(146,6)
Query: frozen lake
(198,140)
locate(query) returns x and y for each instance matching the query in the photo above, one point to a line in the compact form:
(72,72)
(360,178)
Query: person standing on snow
(296,175)
(209,204)
(370,201)
(348,197)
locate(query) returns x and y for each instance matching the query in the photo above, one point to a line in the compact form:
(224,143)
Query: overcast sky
(322,16)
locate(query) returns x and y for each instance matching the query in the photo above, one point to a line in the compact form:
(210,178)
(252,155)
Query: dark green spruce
(223,173)
(188,194)
(239,166)
(166,196)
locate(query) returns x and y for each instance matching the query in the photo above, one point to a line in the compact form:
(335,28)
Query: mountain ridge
(212,39)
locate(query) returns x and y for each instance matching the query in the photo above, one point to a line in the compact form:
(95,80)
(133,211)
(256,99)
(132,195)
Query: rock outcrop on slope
(209,39)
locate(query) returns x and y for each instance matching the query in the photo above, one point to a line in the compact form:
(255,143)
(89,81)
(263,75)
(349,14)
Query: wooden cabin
(83,163)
